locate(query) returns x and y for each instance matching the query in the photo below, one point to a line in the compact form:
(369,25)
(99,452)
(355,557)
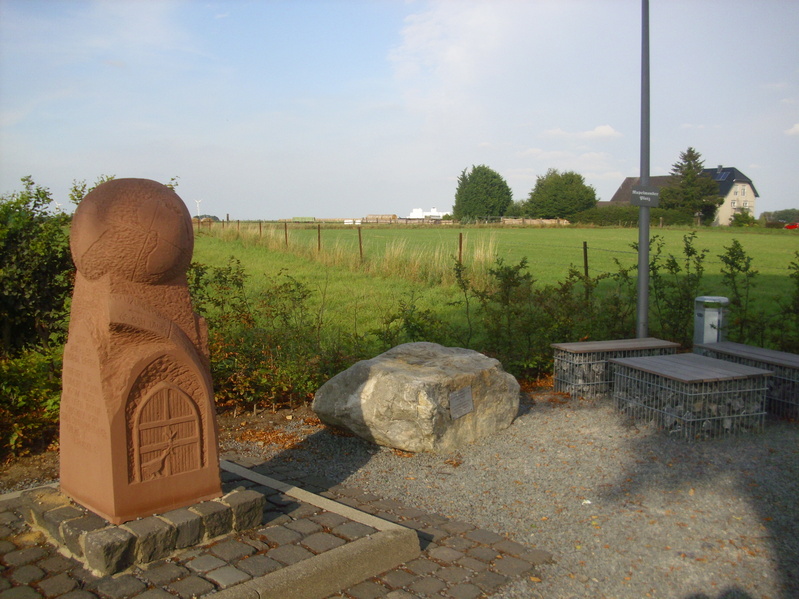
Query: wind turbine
(198,208)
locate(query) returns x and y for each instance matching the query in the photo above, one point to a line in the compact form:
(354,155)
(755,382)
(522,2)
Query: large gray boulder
(421,397)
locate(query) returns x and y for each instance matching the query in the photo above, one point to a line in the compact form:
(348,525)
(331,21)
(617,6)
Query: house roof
(724,176)
(625,190)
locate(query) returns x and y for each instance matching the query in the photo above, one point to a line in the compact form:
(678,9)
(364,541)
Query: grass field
(402,262)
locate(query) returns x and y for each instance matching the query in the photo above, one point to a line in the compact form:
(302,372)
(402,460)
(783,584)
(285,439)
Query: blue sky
(272,109)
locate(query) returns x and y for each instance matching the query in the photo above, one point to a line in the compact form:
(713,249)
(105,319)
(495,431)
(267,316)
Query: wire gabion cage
(583,369)
(782,394)
(692,410)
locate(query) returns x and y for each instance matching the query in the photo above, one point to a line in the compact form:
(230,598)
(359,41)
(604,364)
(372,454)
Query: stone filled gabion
(691,410)
(588,374)
(782,392)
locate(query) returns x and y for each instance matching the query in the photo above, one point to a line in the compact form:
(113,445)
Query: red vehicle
(792,226)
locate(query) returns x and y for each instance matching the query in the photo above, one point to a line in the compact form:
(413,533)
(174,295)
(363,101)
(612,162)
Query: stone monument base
(106,548)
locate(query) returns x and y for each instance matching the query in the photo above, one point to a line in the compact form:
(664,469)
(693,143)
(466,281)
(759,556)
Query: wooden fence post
(286,233)
(460,247)
(319,239)
(360,244)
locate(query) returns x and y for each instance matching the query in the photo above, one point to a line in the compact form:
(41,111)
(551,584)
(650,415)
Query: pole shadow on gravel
(766,471)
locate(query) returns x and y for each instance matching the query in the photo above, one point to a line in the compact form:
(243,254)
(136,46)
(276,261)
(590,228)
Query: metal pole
(642,308)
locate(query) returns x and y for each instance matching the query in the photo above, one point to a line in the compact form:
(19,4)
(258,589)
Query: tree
(690,190)
(481,193)
(560,195)
(36,272)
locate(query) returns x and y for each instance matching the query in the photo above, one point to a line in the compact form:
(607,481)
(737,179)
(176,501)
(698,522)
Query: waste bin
(709,319)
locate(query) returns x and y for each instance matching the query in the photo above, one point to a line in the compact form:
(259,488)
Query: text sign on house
(645,196)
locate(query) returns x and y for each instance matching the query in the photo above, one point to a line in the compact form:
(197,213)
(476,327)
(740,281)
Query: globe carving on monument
(135,229)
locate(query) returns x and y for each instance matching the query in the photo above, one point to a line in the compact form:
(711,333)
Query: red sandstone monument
(138,425)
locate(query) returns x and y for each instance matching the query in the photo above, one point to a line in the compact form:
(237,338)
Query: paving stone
(7,547)
(247,508)
(434,534)
(227,576)
(58,585)
(191,586)
(400,594)
(353,530)
(20,593)
(322,541)
(53,519)
(189,526)
(289,554)
(485,554)
(327,519)
(258,565)
(445,554)
(422,565)
(20,557)
(5,531)
(155,594)
(163,574)
(217,518)
(281,500)
(109,550)
(464,591)
(536,557)
(510,566)
(72,530)
(79,594)
(232,550)
(27,574)
(367,590)
(510,547)
(428,585)
(205,563)
(458,543)
(484,536)
(396,579)
(453,574)
(4,583)
(305,527)
(155,539)
(457,527)
(473,564)
(279,535)
(275,518)
(302,510)
(489,581)
(120,587)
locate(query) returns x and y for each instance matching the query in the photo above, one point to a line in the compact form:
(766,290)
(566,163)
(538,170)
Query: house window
(746,204)
(736,191)
(732,203)
(743,190)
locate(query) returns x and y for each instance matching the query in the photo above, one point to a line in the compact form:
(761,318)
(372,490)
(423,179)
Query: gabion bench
(581,368)
(692,396)
(782,394)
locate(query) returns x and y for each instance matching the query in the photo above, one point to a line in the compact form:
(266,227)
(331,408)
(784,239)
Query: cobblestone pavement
(458,560)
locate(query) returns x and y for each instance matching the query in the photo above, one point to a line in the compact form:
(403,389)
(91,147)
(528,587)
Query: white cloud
(793,130)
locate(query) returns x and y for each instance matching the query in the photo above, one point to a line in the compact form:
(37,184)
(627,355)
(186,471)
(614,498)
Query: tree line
(482,193)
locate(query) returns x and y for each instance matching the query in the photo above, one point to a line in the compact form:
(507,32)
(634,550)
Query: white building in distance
(419,214)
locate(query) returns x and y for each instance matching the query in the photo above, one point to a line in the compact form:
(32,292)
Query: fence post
(319,239)
(286,233)
(260,230)
(585,258)
(460,247)
(360,243)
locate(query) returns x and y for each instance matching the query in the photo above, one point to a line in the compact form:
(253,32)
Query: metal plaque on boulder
(645,196)
(460,403)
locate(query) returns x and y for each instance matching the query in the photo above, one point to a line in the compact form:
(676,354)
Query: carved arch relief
(167,434)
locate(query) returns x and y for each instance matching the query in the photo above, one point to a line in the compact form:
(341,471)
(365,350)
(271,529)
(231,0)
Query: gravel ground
(627,511)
